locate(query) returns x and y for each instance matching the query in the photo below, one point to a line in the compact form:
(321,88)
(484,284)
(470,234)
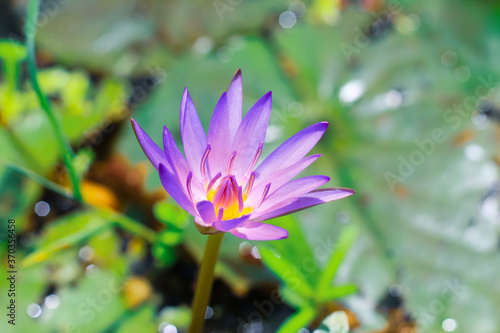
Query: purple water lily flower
(219,182)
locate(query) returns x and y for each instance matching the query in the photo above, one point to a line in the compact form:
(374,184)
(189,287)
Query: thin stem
(204,284)
(31,25)
(130,225)
(38,179)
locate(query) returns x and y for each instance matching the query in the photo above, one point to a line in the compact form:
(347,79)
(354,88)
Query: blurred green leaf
(295,248)
(66,232)
(293,298)
(336,292)
(298,320)
(171,238)
(164,253)
(288,272)
(172,215)
(346,238)
(140,321)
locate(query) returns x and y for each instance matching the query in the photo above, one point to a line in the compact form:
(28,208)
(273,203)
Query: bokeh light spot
(245,248)
(393,98)
(170,329)
(351,91)
(474,152)
(255,253)
(395,290)
(449,325)
(42,208)
(209,313)
(287,19)
(86,253)
(92,270)
(203,45)
(34,310)
(449,58)
(52,301)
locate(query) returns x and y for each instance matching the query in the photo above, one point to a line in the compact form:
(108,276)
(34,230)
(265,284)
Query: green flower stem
(31,25)
(204,284)
(37,178)
(130,225)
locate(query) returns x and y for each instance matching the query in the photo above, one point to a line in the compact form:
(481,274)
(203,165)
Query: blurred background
(411,90)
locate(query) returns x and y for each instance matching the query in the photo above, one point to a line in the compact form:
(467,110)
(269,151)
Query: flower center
(227,198)
(226,195)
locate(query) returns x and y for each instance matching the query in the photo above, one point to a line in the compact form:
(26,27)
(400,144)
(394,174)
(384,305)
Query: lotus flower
(220,182)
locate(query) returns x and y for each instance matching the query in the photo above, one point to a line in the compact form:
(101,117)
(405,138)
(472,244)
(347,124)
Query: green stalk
(30,31)
(37,178)
(130,225)
(204,284)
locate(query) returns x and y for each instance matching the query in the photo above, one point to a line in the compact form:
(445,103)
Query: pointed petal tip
(321,126)
(266,98)
(348,192)
(135,125)
(236,82)
(185,97)
(167,134)
(237,75)
(283,235)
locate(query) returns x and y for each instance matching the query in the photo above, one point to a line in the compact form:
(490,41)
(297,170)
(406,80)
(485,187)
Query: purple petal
(193,135)
(171,184)
(279,178)
(154,153)
(174,156)
(228,225)
(235,101)
(219,137)
(250,134)
(313,198)
(260,232)
(207,212)
(290,192)
(292,150)
(180,166)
